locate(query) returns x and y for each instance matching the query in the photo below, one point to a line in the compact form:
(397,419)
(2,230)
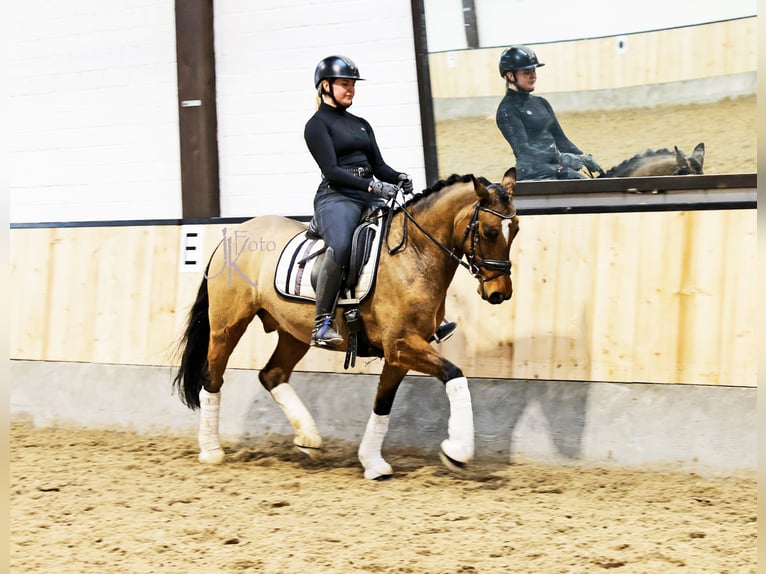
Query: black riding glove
(591,164)
(405,182)
(571,161)
(383,190)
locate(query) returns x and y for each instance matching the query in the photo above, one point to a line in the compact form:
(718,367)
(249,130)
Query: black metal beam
(469,23)
(611,195)
(635,184)
(427,122)
(197,118)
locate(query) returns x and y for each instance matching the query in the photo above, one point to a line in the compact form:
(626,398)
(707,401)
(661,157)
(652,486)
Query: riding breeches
(526,172)
(337,216)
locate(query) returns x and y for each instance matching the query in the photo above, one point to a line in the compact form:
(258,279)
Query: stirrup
(324,335)
(444,332)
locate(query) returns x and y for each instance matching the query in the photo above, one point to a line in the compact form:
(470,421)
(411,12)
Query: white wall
(93,103)
(266,53)
(93,120)
(93,123)
(505,22)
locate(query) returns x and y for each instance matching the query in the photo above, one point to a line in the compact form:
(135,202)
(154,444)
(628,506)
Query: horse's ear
(680,157)
(509,180)
(699,153)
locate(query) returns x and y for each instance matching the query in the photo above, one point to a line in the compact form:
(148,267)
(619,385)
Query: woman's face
(526,79)
(343,90)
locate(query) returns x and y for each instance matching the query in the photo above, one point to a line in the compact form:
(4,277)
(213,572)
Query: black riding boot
(445,331)
(328,285)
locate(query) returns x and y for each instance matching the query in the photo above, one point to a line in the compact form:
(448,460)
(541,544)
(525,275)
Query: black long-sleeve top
(535,135)
(338,139)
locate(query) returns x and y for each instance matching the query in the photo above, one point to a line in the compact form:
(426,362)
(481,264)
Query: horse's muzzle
(496,298)
(498,287)
(496,291)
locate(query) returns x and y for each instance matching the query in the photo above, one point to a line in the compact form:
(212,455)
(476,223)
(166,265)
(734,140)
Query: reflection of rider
(541,148)
(344,147)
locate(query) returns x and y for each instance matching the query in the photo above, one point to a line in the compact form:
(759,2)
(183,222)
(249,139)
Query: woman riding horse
(344,147)
(542,149)
(463,221)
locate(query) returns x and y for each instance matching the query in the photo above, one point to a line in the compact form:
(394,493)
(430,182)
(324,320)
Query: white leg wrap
(370,448)
(210,450)
(460,444)
(304,427)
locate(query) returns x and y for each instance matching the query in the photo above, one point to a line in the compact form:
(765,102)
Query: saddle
(299,264)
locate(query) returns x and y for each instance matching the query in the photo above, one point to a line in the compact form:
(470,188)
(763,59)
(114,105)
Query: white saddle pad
(296,263)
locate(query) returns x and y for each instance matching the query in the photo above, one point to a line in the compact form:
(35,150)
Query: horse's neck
(660,164)
(440,218)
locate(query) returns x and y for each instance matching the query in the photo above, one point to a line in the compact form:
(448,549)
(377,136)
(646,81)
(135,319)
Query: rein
(473,265)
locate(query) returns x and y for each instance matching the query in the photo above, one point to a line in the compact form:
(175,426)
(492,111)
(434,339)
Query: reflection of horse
(660,162)
(462,216)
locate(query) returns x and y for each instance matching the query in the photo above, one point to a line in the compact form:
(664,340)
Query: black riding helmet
(333,67)
(518,58)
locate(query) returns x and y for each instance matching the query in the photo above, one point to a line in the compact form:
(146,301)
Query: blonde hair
(321,93)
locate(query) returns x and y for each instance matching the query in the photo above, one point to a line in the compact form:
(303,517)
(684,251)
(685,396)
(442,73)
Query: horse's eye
(490,233)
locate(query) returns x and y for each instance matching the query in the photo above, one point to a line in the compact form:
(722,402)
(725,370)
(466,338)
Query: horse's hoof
(373,474)
(311,452)
(214,456)
(384,477)
(381,471)
(453,465)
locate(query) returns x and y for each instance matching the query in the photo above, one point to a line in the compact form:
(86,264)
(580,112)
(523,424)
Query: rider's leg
(569,173)
(328,285)
(336,217)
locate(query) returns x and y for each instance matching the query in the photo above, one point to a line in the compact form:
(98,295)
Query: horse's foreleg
(307,438)
(370,455)
(457,449)
(275,376)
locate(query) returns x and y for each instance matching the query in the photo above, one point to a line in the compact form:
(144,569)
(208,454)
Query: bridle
(475,265)
(475,262)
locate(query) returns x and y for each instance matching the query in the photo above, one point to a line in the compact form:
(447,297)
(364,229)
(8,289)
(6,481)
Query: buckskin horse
(461,221)
(652,163)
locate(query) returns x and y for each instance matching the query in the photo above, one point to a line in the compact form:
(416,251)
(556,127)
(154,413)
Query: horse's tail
(193,350)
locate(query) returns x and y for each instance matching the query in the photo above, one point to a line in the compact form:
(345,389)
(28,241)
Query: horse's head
(491,228)
(691,165)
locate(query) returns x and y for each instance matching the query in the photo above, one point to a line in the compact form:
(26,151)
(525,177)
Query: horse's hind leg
(275,378)
(224,336)
(369,453)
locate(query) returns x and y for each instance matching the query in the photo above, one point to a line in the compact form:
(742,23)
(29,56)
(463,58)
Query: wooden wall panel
(30,309)
(655,297)
(674,55)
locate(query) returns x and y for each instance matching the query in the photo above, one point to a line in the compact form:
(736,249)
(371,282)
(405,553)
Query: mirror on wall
(616,92)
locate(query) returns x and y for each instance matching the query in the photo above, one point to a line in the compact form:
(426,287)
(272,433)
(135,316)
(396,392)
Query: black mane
(452,180)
